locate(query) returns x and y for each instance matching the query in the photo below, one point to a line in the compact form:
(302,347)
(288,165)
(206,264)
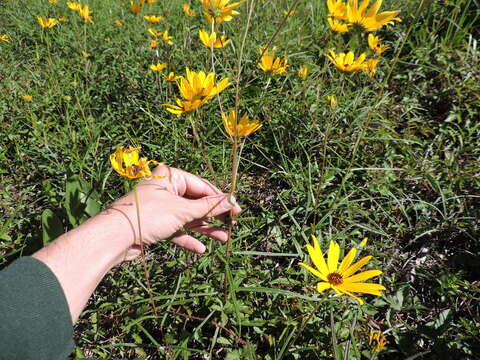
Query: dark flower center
(335,278)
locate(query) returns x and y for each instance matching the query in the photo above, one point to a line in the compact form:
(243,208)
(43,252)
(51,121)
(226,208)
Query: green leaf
(52,226)
(81,201)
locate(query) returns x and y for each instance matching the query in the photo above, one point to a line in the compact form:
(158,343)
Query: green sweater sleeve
(35,320)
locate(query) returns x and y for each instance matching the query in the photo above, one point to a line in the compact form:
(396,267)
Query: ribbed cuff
(35,321)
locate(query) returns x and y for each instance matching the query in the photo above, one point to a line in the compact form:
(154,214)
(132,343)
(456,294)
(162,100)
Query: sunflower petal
(333,255)
(314,271)
(347,260)
(366,288)
(355,267)
(322,286)
(362,276)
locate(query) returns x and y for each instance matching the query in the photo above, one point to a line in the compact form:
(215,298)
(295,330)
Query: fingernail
(231,200)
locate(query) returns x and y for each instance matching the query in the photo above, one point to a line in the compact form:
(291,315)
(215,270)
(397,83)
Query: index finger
(187,184)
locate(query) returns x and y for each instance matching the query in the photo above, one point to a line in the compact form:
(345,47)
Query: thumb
(210,206)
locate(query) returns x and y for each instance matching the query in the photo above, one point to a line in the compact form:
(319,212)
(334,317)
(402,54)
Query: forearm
(81,258)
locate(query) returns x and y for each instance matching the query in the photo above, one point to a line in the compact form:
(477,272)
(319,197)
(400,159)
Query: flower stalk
(142,250)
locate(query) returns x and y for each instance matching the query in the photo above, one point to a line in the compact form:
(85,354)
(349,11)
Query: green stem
(334,336)
(142,249)
(302,327)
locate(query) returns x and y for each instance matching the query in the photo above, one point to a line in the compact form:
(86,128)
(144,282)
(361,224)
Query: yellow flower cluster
(342,16)
(196,89)
(83,10)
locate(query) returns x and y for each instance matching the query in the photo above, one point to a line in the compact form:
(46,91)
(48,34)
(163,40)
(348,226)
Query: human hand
(178,200)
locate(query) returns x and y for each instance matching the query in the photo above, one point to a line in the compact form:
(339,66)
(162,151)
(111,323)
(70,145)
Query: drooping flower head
(347,62)
(376,340)
(371,66)
(188,11)
(303,72)
(243,128)
(274,65)
(369,20)
(375,45)
(219,10)
(158,67)
(196,90)
(167,39)
(136,7)
(153,18)
(130,165)
(341,278)
(171,77)
(46,23)
(213,39)
(332,100)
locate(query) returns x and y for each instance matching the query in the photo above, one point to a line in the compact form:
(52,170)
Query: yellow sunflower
(341,278)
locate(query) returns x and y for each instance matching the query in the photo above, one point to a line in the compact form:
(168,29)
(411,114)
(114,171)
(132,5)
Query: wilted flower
(118,22)
(277,66)
(128,164)
(303,72)
(371,66)
(158,67)
(47,23)
(369,19)
(153,32)
(135,7)
(341,278)
(242,128)
(153,18)
(171,77)
(197,89)
(347,62)
(376,340)
(219,10)
(375,46)
(332,100)
(153,44)
(188,11)
(337,26)
(4,37)
(62,18)
(210,40)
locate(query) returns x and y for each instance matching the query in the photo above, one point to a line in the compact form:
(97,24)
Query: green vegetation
(396,161)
